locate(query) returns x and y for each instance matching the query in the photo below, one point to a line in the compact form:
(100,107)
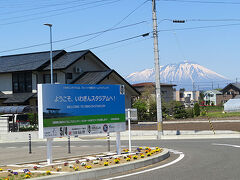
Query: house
(187,97)
(212,97)
(20,74)
(230,91)
(167,90)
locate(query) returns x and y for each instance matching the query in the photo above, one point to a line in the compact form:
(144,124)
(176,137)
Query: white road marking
(181,156)
(11,147)
(230,145)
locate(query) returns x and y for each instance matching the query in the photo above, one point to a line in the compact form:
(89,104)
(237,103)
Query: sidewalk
(135,135)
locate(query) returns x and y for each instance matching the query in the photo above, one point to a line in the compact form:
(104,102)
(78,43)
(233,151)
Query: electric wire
(115,25)
(204,2)
(96,47)
(57,14)
(41,7)
(76,37)
(50,11)
(119,41)
(199,27)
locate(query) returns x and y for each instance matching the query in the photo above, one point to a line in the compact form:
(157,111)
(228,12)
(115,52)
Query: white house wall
(6,83)
(128,94)
(90,63)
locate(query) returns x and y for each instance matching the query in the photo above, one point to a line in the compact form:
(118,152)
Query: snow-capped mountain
(182,73)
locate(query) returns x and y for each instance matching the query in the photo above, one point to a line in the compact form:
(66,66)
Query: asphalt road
(203,159)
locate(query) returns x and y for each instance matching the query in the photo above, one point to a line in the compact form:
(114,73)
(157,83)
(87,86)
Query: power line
(112,26)
(50,11)
(71,38)
(96,47)
(14,22)
(127,39)
(216,20)
(204,2)
(199,27)
(109,49)
(36,8)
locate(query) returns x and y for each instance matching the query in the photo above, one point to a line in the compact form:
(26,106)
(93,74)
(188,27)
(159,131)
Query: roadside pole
(49,150)
(30,143)
(69,145)
(129,129)
(157,72)
(118,143)
(50,140)
(108,140)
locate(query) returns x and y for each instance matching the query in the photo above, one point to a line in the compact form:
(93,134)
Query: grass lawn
(219,114)
(212,108)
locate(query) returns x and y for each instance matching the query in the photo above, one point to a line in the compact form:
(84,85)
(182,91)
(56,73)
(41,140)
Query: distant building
(230,92)
(167,90)
(188,98)
(212,97)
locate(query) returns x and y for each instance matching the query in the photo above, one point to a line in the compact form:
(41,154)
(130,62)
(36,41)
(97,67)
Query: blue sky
(217,48)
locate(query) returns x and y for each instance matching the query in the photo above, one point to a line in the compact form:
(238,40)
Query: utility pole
(157,71)
(193,91)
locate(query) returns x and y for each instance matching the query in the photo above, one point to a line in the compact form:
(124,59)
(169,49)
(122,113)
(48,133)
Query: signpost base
(118,143)
(49,150)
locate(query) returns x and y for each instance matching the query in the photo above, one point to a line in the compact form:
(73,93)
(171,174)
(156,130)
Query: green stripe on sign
(84,120)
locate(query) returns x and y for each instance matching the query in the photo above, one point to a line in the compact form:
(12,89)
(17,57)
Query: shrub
(196,109)
(153,111)
(29,128)
(33,118)
(203,113)
(190,113)
(141,109)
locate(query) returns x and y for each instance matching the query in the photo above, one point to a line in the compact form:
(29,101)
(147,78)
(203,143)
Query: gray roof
(25,62)
(236,85)
(213,91)
(2,95)
(92,77)
(67,59)
(17,98)
(95,77)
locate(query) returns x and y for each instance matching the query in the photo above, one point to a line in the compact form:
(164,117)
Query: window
(69,75)
(164,92)
(181,95)
(47,78)
(22,82)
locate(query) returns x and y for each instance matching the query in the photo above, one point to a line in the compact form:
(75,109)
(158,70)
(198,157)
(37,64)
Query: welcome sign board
(69,110)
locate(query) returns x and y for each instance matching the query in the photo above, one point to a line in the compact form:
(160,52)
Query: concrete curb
(105,171)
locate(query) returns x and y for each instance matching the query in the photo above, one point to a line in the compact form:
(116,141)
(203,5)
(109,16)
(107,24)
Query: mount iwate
(183,74)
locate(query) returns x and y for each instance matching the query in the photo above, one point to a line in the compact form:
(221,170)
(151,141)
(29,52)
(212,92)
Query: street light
(50,140)
(51,64)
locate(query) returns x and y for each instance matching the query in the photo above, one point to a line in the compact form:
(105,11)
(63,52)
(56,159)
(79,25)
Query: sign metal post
(129,129)
(118,142)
